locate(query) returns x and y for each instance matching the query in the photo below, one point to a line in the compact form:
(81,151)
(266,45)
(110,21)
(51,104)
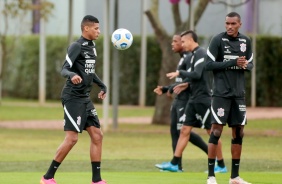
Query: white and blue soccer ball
(122,39)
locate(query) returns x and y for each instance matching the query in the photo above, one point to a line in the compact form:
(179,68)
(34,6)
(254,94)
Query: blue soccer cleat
(167,166)
(218,169)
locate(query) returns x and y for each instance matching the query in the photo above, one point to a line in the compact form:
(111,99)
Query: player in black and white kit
(197,111)
(179,102)
(79,111)
(229,56)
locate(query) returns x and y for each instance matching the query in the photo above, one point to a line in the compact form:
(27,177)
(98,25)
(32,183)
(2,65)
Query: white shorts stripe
(71,119)
(205,118)
(215,117)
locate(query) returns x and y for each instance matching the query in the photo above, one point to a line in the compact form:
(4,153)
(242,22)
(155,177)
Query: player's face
(186,42)
(92,31)
(176,43)
(232,25)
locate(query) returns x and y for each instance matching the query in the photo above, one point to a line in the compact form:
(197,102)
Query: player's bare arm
(180,87)
(172,75)
(76,79)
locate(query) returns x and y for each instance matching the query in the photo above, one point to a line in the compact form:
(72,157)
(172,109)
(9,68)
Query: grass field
(130,153)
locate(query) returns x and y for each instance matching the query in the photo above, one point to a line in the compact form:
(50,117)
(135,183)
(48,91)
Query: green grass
(12,110)
(130,152)
(138,178)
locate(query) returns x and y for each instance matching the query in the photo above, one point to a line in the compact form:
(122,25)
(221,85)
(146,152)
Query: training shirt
(183,64)
(223,51)
(80,60)
(197,77)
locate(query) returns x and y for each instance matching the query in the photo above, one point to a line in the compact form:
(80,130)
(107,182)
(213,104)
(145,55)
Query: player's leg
(96,137)
(220,112)
(237,122)
(177,110)
(197,140)
(74,117)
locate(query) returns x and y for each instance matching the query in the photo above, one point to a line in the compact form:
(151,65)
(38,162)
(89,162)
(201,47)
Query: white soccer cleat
(237,180)
(211,180)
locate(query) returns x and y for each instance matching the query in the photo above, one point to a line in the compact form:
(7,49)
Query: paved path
(252,113)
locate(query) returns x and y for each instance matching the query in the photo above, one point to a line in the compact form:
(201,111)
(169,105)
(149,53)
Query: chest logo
(243,47)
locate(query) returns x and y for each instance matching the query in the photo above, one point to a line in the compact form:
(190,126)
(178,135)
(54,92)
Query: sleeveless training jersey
(222,57)
(80,60)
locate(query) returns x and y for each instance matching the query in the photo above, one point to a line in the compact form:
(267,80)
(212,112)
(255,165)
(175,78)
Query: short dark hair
(234,14)
(192,33)
(88,19)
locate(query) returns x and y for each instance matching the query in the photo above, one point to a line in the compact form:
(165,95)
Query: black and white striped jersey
(80,60)
(223,51)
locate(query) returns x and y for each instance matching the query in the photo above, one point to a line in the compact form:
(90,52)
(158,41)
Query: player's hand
(168,94)
(242,62)
(76,79)
(172,74)
(180,87)
(102,95)
(158,90)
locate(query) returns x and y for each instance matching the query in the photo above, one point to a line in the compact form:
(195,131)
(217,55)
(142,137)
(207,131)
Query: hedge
(20,75)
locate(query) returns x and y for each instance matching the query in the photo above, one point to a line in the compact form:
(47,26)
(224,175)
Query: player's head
(90,27)
(232,23)
(189,40)
(176,44)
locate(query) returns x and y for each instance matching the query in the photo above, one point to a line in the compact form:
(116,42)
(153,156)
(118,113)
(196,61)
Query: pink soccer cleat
(99,182)
(47,181)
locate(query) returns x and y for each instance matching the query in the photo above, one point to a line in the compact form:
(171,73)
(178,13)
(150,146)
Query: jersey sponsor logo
(220,112)
(226,47)
(86,55)
(89,66)
(242,40)
(243,47)
(227,51)
(229,57)
(225,39)
(84,43)
(78,120)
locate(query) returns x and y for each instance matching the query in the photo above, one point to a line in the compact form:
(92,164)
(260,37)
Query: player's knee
(213,138)
(239,134)
(72,140)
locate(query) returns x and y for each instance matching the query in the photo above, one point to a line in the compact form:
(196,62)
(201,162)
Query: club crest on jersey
(220,112)
(243,47)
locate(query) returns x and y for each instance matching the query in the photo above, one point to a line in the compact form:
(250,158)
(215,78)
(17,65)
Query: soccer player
(229,56)
(179,102)
(197,111)
(79,111)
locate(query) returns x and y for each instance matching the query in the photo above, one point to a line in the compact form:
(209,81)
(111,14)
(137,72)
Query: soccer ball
(122,39)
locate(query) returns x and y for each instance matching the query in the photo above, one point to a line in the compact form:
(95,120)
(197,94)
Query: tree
(169,59)
(12,10)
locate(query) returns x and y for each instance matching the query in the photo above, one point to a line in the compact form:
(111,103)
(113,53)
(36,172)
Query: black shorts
(79,115)
(176,112)
(197,114)
(231,111)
